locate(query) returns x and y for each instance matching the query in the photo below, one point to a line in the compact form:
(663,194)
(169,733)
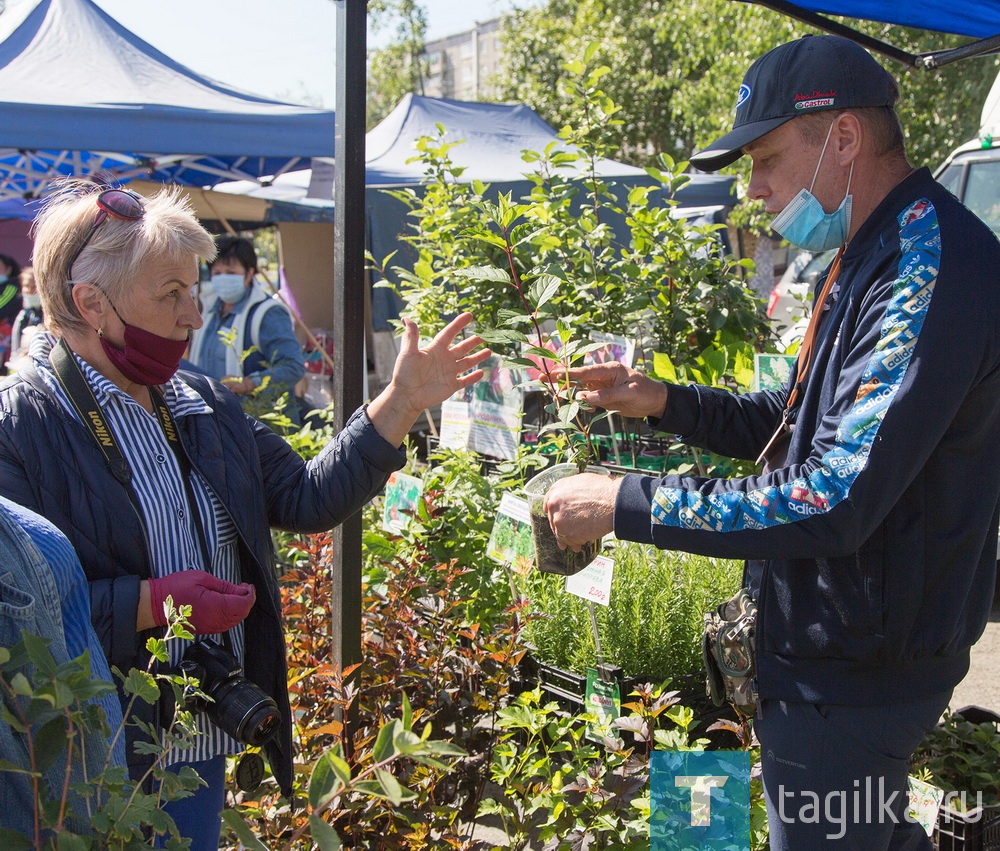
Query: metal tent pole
(348,304)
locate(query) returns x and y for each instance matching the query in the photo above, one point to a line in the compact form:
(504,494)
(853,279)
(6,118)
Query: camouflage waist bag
(728,648)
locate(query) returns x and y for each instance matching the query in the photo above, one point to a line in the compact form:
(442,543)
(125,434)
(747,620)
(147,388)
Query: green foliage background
(676,68)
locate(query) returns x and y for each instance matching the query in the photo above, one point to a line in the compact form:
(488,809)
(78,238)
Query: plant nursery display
(960,760)
(504,682)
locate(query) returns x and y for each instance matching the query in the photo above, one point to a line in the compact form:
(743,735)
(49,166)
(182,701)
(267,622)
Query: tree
(399,68)
(674,63)
(677,66)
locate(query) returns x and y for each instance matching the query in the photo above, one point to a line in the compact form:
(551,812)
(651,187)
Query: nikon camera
(237,706)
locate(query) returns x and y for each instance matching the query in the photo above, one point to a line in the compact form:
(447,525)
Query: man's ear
(92,305)
(848,137)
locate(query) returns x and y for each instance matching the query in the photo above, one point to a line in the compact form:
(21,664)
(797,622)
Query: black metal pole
(348,304)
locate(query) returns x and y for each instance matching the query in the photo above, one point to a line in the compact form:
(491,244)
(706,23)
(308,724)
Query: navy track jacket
(872,552)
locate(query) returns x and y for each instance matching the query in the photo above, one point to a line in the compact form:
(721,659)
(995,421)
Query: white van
(972,171)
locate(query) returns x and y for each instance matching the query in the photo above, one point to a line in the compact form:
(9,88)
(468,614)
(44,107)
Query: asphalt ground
(981,686)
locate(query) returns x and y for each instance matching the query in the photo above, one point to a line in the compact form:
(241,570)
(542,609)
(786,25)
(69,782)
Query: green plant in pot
(575,255)
(961,755)
(506,226)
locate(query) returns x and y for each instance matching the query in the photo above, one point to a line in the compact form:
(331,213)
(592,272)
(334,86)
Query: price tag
(594,581)
(925,801)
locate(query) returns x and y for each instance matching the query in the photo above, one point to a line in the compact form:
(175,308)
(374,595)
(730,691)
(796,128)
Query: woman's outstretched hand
(423,378)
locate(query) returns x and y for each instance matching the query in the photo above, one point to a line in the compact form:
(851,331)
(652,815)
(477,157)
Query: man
(870,533)
(262,326)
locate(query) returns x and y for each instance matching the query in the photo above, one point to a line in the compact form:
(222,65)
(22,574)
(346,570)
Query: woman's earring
(100,332)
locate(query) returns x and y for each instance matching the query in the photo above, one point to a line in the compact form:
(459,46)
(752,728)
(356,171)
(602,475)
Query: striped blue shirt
(171,534)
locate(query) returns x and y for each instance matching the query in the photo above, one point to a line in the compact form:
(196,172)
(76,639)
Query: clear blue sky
(280,50)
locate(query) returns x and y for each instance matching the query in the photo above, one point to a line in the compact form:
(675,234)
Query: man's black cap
(811,74)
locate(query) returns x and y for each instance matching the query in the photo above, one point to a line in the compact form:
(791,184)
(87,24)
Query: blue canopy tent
(978,19)
(82,95)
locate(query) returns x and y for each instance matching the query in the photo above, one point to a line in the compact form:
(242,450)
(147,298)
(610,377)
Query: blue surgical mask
(230,287)
(804,222)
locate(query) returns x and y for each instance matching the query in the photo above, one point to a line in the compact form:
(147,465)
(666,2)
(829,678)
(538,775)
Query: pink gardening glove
(216,605)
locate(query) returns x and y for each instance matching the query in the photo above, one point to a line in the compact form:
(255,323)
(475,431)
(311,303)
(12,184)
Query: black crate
(979,828)
(976,830)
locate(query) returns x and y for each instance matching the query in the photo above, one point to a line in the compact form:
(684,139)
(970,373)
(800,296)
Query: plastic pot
(548,557)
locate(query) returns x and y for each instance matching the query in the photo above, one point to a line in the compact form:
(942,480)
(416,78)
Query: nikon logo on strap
(167,421)
(100,429)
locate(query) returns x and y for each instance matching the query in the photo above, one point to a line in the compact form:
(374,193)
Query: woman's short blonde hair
(116,251)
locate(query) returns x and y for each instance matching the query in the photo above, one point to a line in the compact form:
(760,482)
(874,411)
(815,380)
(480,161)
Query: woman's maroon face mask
(147,358)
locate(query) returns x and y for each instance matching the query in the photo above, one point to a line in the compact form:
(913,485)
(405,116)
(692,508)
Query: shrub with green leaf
(50,705)
(606,258)
(571,792)
(963,757)
(653,624)
(425,665)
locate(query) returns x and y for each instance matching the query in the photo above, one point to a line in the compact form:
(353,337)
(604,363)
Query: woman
(29,316)
(265,348)
(159,480)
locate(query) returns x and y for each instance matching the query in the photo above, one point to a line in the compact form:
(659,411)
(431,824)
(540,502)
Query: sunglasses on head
(121,204)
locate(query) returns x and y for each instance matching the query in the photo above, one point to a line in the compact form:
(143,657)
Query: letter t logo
(701,795)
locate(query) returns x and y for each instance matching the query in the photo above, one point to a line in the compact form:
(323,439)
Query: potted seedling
(550,355)
(961,757)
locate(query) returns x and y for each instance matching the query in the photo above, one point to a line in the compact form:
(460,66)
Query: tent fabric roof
(974,18)
(76,84)
(493,136)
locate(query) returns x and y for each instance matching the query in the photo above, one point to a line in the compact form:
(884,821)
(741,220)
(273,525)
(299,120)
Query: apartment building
(464,66)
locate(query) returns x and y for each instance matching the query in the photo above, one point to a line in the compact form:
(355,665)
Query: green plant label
(486,416)
(456,422)
(925,801)
(604,700)
(510,541)
(771,372)
(401,495)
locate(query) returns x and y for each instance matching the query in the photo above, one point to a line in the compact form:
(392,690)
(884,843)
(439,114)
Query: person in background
(10,305)
(10,287)
(28,316)
(160,481)
(236,302)
(870,531)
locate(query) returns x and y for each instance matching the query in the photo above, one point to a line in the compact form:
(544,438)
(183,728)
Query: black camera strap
(82,398)
(85,403)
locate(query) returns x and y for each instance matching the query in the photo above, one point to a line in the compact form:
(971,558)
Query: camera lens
(236,704)
(245,712)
